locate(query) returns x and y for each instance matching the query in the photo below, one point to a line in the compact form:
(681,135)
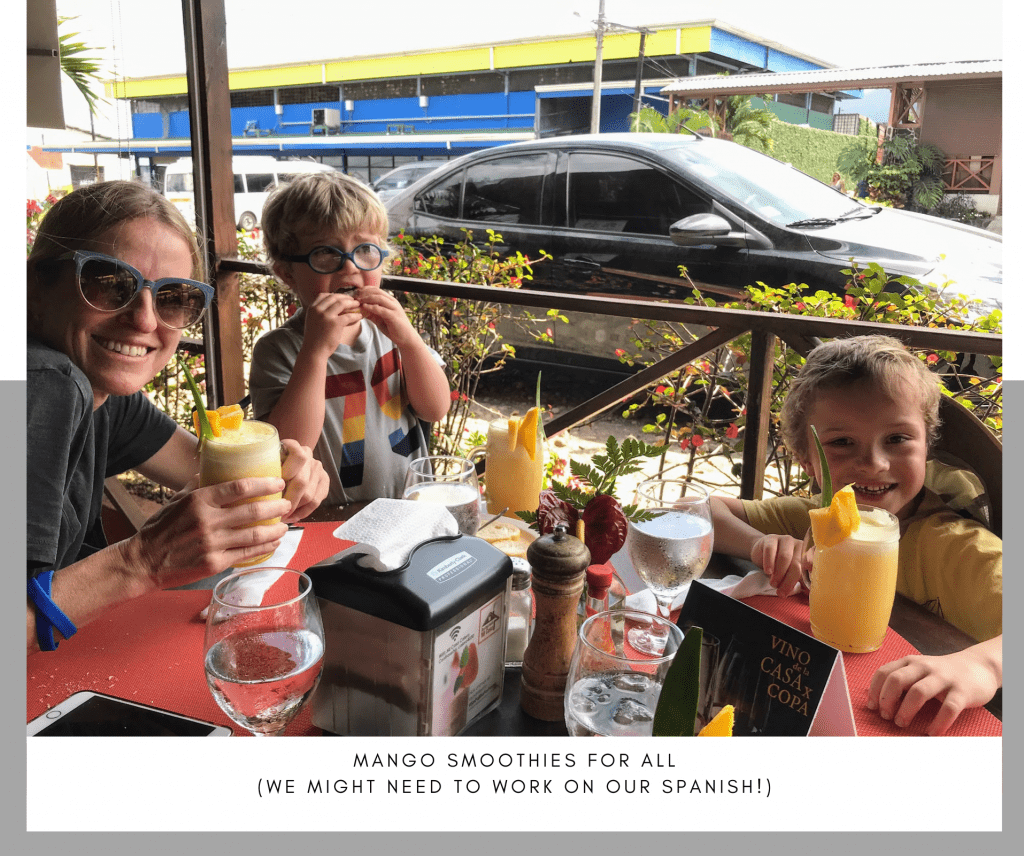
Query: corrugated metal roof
(843,78)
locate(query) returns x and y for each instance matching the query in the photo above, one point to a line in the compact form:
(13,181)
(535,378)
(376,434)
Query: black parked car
(613,207)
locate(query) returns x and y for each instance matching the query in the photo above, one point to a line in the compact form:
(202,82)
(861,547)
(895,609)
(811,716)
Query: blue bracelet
(39,590)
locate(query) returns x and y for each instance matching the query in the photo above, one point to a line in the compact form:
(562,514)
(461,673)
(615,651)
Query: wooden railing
(799,332)
(969,174)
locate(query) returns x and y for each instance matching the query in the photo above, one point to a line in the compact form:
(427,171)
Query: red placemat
(150,650)
(317,543)
(859,670)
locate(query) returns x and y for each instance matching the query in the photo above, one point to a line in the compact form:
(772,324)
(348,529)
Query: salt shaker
(520,613)
(559,562)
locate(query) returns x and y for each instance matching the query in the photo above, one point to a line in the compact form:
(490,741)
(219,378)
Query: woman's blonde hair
(77,221)
(881,361)
(318,201)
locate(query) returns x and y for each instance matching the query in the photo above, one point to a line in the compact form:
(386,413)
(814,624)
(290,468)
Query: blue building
(366,115)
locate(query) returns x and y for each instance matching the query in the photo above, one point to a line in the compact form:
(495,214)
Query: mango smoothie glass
(853,584)
(250,451)
(513,478)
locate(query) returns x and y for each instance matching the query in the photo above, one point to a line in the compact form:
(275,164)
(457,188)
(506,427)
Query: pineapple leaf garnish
(205,431)
(826,475)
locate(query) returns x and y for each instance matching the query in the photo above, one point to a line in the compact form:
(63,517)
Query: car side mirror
(700,229)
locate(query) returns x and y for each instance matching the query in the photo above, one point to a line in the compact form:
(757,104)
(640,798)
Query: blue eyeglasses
(332,259)
(109,285)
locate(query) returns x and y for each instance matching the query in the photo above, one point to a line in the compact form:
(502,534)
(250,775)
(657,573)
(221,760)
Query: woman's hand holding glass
(202,531)
(305,479)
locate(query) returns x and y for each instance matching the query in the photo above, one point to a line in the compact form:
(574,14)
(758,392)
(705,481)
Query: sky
(145,38)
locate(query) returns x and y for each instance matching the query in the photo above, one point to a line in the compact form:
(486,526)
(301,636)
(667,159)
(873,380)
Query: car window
(259,182)
(239,183)
(442,199)
(774,190)
(506,190)
(618,194)
(179,182)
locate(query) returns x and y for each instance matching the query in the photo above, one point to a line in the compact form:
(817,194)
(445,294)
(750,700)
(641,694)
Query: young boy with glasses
(348,373)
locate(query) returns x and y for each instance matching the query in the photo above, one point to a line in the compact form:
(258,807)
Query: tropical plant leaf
(676,713)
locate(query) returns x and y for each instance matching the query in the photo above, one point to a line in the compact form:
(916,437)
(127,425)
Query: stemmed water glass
(670,548)
(449,481)
(264,647)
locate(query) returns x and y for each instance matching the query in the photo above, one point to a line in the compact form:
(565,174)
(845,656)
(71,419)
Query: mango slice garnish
(720,725)
(215,423)
(838,521)
(528,432)
(513,432)
(231,416)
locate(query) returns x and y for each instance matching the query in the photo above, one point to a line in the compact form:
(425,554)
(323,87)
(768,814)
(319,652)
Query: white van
(255,177)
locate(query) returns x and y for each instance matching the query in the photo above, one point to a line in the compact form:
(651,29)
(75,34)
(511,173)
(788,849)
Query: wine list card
(780,681)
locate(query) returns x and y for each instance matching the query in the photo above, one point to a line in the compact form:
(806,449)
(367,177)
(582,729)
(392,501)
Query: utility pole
(602,25)
(595,107)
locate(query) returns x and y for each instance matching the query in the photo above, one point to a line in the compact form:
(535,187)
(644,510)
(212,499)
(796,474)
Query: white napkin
(755,582)
(278,559)
(392,528)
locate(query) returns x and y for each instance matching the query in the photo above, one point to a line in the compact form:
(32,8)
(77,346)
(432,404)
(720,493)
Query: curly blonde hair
(878,360)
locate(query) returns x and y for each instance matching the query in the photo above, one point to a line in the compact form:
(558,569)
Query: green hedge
(810,150)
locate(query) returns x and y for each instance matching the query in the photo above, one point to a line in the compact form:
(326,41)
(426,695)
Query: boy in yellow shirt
(875,408)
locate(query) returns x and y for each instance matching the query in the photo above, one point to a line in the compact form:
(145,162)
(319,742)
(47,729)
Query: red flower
(684,443)
(933,358)
(490,326)
(619,352)
(660,390)
(733,431)
(454,395)
(515,281)
(800,305)
(698,441)
(849,301)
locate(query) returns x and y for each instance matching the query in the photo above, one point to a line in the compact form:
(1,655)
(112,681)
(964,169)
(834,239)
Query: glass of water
(449,481)
(612,688)
(669,548)
(264,647)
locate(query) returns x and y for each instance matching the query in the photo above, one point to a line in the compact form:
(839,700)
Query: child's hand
(781,557)
(962,680)
(330,319)
(383,309)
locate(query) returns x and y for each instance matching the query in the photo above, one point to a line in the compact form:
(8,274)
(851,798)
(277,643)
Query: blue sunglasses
(109,285)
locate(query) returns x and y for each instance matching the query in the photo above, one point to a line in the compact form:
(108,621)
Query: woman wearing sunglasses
(113,280)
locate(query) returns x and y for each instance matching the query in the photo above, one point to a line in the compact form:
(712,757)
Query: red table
(150,650)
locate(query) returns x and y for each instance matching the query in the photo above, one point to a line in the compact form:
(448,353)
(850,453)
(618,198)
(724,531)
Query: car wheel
(247,221)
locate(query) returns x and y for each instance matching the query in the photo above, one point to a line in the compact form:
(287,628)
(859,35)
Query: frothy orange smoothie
(853,584)
(253,450)
(513,479)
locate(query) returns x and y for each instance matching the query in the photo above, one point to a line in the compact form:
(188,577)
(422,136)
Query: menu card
(779,680)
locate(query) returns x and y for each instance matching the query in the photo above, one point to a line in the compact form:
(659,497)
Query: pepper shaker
(559,563)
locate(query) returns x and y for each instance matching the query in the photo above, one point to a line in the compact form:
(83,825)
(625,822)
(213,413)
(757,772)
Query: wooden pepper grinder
(559,563)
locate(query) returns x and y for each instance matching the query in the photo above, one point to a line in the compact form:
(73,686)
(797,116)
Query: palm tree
(651,121)
(82,70)
(747,125)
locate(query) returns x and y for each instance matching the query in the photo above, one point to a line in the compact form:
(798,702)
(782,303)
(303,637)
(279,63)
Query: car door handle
(582,263)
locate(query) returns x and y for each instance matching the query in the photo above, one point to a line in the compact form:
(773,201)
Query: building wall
(965,118)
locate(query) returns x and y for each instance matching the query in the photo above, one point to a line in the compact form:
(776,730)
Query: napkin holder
(418,650)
